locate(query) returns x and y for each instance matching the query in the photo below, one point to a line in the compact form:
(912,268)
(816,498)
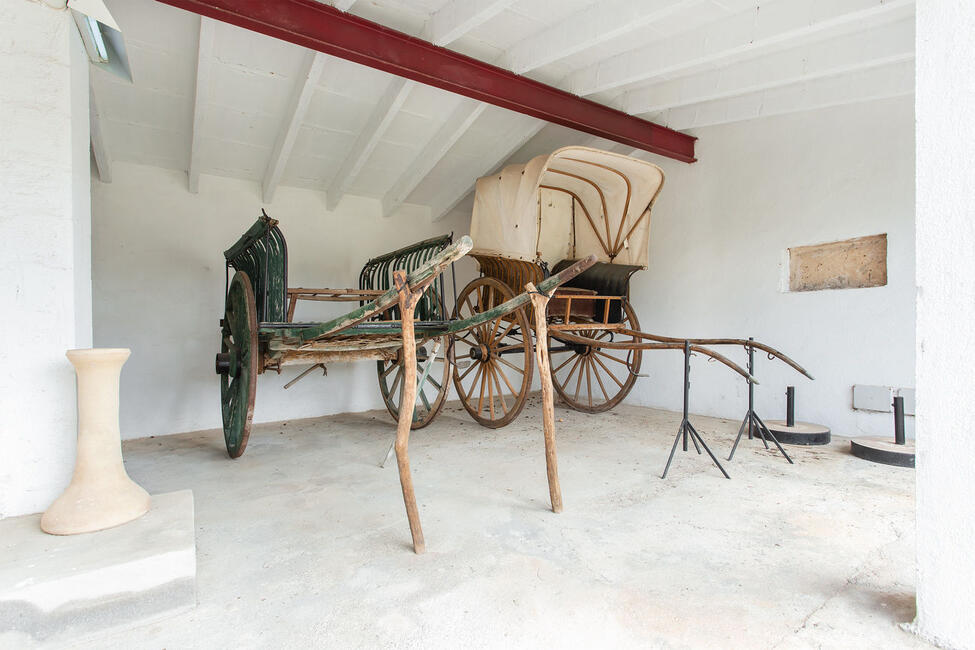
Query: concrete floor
(303,542)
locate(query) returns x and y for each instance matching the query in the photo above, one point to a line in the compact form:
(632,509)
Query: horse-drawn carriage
(543,215)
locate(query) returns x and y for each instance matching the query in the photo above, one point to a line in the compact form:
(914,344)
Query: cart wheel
(592,379)
(494,386)
(237,363)
(432,392)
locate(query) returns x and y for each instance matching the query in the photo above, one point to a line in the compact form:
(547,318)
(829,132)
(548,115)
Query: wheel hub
(480,353)
(580,349)
(227,363)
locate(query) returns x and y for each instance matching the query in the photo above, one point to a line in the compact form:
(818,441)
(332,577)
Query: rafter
(300,101)
(453,128)
(458,17)
(503,149)
(893,80)
(877,47)
(771,24)
(452,21)
(325,29)
(379,121)
(99,147)
(601,23)
(204,56)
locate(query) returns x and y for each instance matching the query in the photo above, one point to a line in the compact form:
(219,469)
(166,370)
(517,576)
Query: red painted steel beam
(326,29)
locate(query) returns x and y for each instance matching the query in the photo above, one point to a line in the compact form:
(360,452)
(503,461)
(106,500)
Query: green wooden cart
(399,314)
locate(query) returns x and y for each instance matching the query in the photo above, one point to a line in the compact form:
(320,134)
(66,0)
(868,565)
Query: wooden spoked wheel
(431,392)
(593,379)
(237,363)
(493,362)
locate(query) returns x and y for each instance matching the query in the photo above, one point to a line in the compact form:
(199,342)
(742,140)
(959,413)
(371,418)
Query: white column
(45,265)
(945,112)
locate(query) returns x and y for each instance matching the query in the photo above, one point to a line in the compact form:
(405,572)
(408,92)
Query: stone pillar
(945,106)
(45,267)
(101,495)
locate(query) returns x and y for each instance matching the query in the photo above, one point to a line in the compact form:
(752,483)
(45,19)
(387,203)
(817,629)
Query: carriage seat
(604,279)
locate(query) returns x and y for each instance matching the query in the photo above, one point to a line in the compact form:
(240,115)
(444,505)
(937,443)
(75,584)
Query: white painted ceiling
(211,98)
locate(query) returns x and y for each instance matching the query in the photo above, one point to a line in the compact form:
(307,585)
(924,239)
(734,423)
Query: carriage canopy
(568,204)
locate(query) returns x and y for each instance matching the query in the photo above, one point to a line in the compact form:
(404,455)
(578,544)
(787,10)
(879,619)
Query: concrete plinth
(883,450)
(800,433)
(60,587)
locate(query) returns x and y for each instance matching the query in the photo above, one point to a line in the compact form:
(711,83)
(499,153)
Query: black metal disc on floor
(883,450)
(802,433)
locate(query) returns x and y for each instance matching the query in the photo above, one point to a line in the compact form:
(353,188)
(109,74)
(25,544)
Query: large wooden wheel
(432,390)
(494,385)
(593,379)
(237,363)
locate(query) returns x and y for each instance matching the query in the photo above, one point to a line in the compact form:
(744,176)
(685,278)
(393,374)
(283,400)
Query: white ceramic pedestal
(101,494)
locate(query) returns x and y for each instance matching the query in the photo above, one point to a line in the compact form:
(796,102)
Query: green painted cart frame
(257,332)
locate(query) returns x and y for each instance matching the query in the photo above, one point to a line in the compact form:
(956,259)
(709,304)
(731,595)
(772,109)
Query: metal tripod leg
(762,427)
(752,421)
(680,432)
(686,429)
(697,435)
(741,431)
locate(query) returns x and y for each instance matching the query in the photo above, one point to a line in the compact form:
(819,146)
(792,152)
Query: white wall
(945,317)
(159,282)
(44,272)
(717,239)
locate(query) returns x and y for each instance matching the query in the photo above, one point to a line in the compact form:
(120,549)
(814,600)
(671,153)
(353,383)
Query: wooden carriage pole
(407,303)
(539,306)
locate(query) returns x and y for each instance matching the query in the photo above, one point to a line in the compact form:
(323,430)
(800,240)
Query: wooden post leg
(407,303)
(539,304)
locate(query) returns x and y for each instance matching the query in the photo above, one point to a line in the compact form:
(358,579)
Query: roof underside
(211,98)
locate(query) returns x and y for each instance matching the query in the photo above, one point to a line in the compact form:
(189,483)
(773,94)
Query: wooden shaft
(407,303)
(329,297)
(301,291)
(596,326)
(724,341)
(540,302)
(568,337)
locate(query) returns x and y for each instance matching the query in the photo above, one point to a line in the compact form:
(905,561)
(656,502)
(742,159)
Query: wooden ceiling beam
(379,120)
(893,80)
(328,30)
(505,145)
(304,90)
(458,17)
(890,43)
(742,34)
(601,23)
(204,61)
(453,128)
(99,147)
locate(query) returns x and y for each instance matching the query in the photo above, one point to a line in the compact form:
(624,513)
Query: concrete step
(54,587)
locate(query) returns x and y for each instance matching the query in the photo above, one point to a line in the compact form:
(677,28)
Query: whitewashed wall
(717,240)
(44,272)
(158,276)
(945,313)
